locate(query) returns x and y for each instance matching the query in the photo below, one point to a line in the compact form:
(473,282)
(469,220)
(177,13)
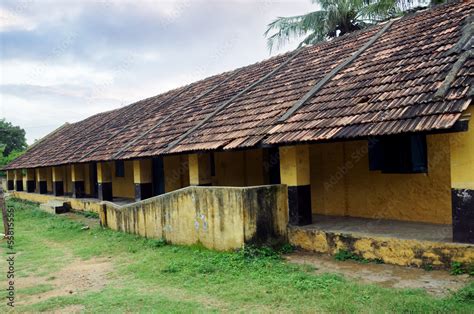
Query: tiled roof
(389,88)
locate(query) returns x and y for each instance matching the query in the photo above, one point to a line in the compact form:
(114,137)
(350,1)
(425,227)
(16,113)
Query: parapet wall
(389,250)
(87,204)
(221,218)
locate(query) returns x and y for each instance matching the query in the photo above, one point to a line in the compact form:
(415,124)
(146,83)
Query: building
(371,128)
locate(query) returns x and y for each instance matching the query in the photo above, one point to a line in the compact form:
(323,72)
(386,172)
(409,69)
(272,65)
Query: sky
(62,61)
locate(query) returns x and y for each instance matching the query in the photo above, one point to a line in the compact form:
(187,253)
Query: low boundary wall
(221,218)
(81,204)
(390,250)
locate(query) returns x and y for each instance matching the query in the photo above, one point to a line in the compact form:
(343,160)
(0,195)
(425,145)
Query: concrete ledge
(404,252)
(56,207)
(76,204)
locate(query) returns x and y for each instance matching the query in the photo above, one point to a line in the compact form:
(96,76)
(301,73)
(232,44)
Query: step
(56,207)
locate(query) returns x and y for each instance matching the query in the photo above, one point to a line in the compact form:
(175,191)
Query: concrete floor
(386,228)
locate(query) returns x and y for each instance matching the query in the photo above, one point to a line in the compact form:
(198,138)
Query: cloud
(65,60)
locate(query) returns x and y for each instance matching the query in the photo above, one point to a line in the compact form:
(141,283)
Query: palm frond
(288,28)
(380,10)
(335,18)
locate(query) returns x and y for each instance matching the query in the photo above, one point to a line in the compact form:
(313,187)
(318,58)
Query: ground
(62,266)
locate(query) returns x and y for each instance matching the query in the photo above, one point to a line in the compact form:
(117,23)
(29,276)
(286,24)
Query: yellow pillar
(142,178)
(104,180)
(19,180)
(77,178)
(10,180)
(42,180)
(295,173)
(462,181)
(200,169)
(58,180)
(30,180)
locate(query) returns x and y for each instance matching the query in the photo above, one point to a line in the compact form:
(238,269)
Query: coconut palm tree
(335,18)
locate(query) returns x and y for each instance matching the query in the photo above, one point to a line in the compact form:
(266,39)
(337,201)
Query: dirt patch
(79,276)
(436,282)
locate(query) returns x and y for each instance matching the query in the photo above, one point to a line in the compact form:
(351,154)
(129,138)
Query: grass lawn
(133,274)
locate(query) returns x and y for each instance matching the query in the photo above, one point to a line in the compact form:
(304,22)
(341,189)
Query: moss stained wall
(221,218)
(76,204)
(390,250)
(342,184)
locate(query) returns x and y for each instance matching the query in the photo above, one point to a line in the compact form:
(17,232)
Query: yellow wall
(341,184)
(77,172)
(104,171)
(462,156)
(176,170)
(76,203)
(239,168)
(200,169)
(87,179)
(82,172)
(123,187)
(295,165)
(142,172)
(67,179)
(230,169)
(254,170)
(390,250)
(220,218)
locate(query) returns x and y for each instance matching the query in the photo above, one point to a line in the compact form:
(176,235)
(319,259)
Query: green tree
(12,138)
(5,160)
(335,18)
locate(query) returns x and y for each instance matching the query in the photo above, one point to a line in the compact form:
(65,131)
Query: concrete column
(462,182)
(30,180)
(19,180)
(200,169)
(77,178)
(42,180)
(142,178)
(58,181)
(10,180)
(295,173)
(104,180)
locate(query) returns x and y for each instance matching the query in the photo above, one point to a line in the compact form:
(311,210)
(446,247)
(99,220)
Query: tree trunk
(4,212)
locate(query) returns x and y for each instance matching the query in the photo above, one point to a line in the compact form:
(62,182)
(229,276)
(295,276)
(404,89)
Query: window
(120,168)
(399,154)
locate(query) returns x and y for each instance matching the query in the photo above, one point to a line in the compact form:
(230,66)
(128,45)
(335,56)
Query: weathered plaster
(342,184)
(76,204)
(404,252)
(221,218)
